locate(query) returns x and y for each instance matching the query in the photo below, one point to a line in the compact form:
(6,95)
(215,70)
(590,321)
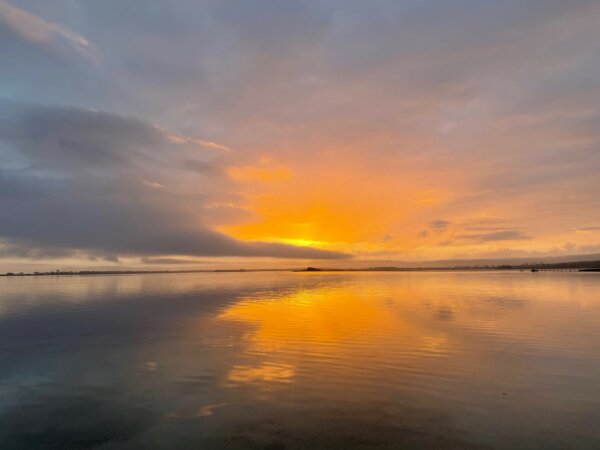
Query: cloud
(439,225)
(74,179)
(169,261)
(504,235)
(10,249)
(39,31)
(435,226)
(585,229)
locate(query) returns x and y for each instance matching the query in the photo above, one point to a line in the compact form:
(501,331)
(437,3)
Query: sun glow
(335,210)
(300,242)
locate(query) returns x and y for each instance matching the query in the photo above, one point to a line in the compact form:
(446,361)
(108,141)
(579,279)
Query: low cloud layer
(73,179)
(494,236)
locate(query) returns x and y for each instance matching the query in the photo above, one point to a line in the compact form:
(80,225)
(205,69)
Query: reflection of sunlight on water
(317,317)
(322,331)
(281,373)
(343,335)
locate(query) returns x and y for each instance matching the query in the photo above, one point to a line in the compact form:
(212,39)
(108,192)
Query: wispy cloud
(439,225)
(504,235)
(181,139)
(589,228)
(38,30)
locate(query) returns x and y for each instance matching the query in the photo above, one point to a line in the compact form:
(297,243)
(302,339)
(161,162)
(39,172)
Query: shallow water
(440,360)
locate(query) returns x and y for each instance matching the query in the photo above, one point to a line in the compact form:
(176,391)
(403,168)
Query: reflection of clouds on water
(504,303)
(204,411)
(493,307)
(208,410)
(435,344)
(267,372)
(444,313)
(150,365)
(68,310)
(195,384)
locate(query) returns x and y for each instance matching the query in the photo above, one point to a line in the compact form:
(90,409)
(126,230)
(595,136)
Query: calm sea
(435,360)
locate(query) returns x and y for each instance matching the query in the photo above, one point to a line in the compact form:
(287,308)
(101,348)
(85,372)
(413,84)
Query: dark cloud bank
(75,179)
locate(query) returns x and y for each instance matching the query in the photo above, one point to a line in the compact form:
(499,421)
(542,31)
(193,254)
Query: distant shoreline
(578,266)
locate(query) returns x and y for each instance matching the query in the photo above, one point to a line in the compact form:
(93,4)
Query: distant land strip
(576,266)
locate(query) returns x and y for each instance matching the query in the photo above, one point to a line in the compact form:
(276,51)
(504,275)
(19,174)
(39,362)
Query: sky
(152,133)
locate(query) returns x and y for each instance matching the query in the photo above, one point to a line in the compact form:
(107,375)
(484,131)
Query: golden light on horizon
(343,207)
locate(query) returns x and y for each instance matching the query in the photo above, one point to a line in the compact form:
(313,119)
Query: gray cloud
(504,235)
(168,261)
(11,249)
(76,179)
(589,228)
(439,225)
(67,139)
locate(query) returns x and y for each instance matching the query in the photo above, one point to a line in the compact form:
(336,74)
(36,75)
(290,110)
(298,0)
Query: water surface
(440,360)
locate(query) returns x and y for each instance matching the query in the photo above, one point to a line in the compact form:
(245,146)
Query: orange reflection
(311,318)
(387,316)
(351,326)
(356,324)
